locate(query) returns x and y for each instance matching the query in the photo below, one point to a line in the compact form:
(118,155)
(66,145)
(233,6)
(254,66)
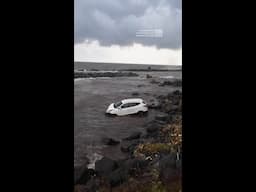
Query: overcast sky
(128,31)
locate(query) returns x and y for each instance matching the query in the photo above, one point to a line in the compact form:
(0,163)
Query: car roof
(132,100)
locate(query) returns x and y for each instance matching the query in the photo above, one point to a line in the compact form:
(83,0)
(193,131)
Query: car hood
(110,107)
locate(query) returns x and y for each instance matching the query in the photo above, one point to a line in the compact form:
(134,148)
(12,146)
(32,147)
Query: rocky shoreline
(154,158)
(94,74)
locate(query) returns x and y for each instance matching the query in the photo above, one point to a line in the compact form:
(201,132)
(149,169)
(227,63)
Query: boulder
(153,81)
(135,94)
(162,117)
(117,177)
(177,92)
(86,176)
(148,76)
(167,166)
(105,166)
(127,147)
(175,83)
(110,141)
(79,170)
(154,126)
(134,135)
(154,105)
(134,165)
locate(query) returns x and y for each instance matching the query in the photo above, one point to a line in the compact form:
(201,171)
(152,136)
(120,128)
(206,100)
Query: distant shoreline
(106,63)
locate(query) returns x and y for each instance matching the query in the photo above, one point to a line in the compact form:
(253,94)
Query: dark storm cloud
(115,22)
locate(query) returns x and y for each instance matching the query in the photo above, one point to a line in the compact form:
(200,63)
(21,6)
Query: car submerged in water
(127,107)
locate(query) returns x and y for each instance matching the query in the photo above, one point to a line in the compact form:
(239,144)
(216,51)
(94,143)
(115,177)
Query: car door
(129,108)
(134,108)
(124,109)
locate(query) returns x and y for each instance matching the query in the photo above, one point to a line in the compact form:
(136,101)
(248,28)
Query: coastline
(147,154)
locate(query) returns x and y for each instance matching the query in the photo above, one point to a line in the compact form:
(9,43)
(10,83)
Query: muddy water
(92,97)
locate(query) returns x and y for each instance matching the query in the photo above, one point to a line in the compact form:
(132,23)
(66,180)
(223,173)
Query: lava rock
(86,175)
(177,92)
(175,83)
(117,177)
(162,117)
(79,170)
(134,165)
(110,141)
(167,166)
(154,105)
(134,135)
(153,81)
(151,128)
(148,76)
(128,147)
(135,94)
(105,166)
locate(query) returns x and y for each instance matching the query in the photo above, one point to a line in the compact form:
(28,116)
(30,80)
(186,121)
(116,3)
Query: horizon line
(123,63)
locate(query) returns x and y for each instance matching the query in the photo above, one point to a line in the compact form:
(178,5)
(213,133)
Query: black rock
(162,117)
(177,92)
(117,177)
(92,185)
(148,76)
(105,166)
(134,165)
(110,141)
(79,171)
(128,147)
(135,94)
(153,127)
(154,105)
(86,176)
(167,107)
(134,135)
(175,83)
(168,166)
(153,81)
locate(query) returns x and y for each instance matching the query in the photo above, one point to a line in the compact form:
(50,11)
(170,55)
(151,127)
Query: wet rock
(148,76)
(92,185)
(128,147)
(177,92)
(153,81)
(167,166)
(133,165)
(175,83)
(135,94)
(86,176)
(162,117)
(105,166)
(79,170)
(154,105)
(110,141)
(134,135)
(117,177)
(153,127)
(94,74)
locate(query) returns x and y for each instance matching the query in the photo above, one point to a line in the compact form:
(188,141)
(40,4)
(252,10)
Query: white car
(127,107)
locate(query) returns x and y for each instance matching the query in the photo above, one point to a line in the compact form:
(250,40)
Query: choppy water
(92,97)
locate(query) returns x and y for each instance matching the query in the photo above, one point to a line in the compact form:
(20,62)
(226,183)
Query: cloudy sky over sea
(128,31)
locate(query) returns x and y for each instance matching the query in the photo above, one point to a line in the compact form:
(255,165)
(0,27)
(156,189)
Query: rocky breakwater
(94,74)
(153,160)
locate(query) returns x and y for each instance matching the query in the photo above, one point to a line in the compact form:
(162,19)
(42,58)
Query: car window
(117,104)
(134,104)
(125,105)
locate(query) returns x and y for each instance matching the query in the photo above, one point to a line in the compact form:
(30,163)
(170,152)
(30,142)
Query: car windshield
(117,104)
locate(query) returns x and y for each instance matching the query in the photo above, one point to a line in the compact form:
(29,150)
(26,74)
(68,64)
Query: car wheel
(140,113)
